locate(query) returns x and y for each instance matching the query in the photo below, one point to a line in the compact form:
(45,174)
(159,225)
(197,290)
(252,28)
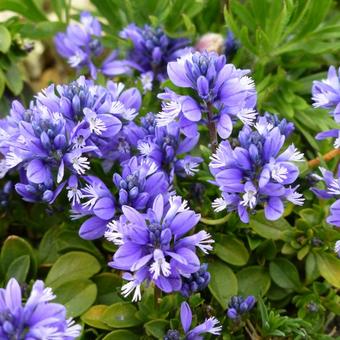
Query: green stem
(215,222)
(157,296)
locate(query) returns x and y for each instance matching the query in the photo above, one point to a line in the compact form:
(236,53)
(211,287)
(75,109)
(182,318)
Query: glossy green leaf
(231,250)
(329,267)
(254,280)
(157,328)
(93,317)
(13,248)
(223,283)
(121,315)
(121,335)
(19,269)
(284,274)
(77,296)
(72,266)
(5,39)
(273,230)
(14,80)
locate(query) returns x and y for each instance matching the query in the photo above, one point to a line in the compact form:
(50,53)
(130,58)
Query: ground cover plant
(170,169)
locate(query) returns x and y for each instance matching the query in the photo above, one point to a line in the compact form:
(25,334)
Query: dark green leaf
(14,80)
(157,328)
(284,274)
(253,280)
(19,269)
(121,334)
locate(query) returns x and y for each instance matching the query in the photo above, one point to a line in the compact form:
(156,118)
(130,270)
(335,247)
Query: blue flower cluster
(223,94)
(238,306)
(254,173)
(38,318)
(326,94)
(52,141)
(82,47)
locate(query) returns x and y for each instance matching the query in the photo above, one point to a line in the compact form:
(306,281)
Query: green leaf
(5,39)
(77,296)
(284,274)
(121,335)
(41,30)
(14,80)
(157,328)
(311,268)
(253,280)
(121,315)
(269,229)
(93,317)
(329,267)
(19,269)
(108,285)
(72,266)
(27,8)
(223,283)
(13,248)
(231,250)
(2,83)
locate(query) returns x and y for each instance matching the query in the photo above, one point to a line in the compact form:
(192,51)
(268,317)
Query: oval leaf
(121,335)
(5,39)
(231,250)
(77,296)
(329,267)
(72,266)
(284,274)
(157,328)
(121,315)
(223,283)
(253,280)
(19,269)
(93,317)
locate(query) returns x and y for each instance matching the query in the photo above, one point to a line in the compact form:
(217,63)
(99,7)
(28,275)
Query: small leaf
(14,80)
(268,229)
(5,39)
(284,274)
(157,328)
(93,317)
(223,283)
(108,285)
(13,248)
(121,334)
(19,269)
(311,268)
(77,296)
(121,315)
(231,250)
(72,266)
(329,267)
(253,280)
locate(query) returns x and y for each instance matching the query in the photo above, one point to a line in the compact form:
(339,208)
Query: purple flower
(210,325)
(231,45)
(153,246)
(223,93)
(255,173)
(152,49)
(326,94)
(332,191)
(238,306)
(38,318)
(138,183)
(196,282)
(164,144)
(81,45)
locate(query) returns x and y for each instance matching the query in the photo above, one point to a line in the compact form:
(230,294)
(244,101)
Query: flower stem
(215,222)
(212,129)
(326,157)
